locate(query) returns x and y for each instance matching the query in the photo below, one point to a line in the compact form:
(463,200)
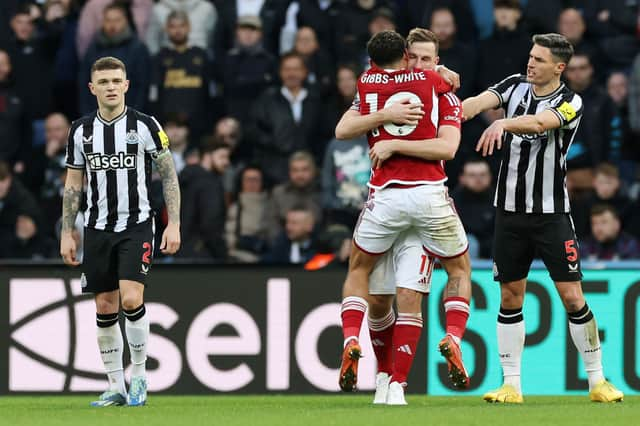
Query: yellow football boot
(604,391)
(506,394)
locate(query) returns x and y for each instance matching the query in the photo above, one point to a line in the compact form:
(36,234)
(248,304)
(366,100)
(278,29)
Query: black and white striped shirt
(116,155)
(533,171)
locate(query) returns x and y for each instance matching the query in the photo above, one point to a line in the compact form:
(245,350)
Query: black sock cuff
(582,316)
(136,313)
(106,320)
(510,316)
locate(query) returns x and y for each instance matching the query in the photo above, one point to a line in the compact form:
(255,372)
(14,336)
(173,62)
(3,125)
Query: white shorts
(427,209)
(406,265)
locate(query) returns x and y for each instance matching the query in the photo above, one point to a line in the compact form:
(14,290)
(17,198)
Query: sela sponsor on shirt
(98,161)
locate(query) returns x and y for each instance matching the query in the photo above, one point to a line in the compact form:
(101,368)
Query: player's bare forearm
(531,124)
(476,104)
(427,149)
(71,199)
(443,147)
(170,186)
(353,125)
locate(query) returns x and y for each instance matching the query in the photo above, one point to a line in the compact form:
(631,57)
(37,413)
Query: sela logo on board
(99,162)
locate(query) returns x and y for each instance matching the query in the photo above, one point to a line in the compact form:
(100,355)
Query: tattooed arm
(171,190)
(70,206)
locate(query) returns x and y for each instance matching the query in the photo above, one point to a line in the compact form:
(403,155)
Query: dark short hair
(506,4)
(557,43)
(422,35)
(180,15)
(583,54)
(386,48)
(117,6)
(108,63)
(292,54)
(5,171)
(214,145)
(349,66)
(599,209)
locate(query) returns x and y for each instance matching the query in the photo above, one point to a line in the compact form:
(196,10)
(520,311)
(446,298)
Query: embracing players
(408,197)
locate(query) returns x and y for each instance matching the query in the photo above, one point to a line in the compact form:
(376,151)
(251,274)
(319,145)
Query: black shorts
(113,256)
(519,237)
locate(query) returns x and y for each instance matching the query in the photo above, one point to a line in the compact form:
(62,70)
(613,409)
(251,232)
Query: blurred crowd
(250,91)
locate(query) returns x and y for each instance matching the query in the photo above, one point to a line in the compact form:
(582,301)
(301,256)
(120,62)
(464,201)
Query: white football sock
(137,337)
(111,346)
(511,332)
(584,333)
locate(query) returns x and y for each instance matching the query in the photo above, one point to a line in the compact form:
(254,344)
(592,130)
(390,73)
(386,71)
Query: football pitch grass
(343,410)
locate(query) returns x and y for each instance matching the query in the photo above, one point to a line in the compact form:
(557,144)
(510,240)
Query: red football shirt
(378,88)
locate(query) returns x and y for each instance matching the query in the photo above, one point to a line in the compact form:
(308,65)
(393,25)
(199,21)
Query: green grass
(342,410)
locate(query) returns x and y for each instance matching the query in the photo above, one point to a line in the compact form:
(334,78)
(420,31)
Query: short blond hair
(422,35)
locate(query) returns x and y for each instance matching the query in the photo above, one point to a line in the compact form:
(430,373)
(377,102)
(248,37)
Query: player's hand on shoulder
(170,239)
(68,249)
(404,112)
(491,138)
(450,76)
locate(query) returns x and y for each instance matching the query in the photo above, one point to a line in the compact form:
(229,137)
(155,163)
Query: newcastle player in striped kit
(115,146)
(532,204)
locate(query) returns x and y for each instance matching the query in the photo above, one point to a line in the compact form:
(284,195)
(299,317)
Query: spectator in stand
(230,11)
(92,16)
(16,203)
(282,22)
(571,24)
(474,203)
(420,14)
(590,145)
(624,151)
(537,15)
(341,98)
(29,242)
(32,53)
(505,52)
(345,172)
(381,19)
(246,70)
(64,15)
(614,23)
(454,54)
(46,170)
(117,39)
(229,132)
(245,229)
(202,14)
(607,189)
(15,131)
(607,240)
(634,97)
(296,243)
(318,61)
(284,120)
(176,128)
(302,189)
(352,27)
(180,83)
(203,207)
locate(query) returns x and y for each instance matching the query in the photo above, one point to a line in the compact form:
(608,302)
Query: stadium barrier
(250,329)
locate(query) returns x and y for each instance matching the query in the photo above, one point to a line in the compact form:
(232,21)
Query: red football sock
(456,314)
(381,332)
(406,335)
(353,309)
